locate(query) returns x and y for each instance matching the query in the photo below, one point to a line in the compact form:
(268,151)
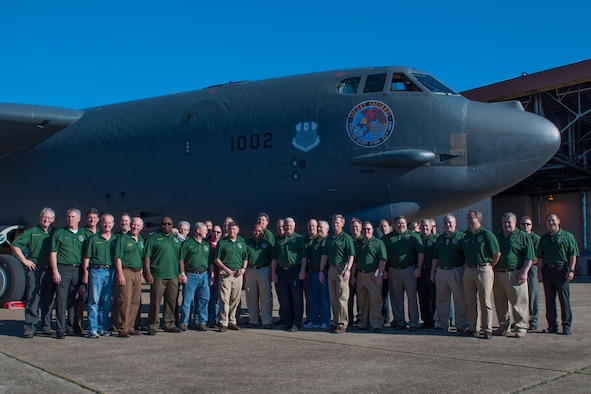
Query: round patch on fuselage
(370,123)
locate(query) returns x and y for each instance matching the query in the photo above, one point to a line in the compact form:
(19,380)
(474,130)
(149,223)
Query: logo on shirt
(480,238)
(81,238)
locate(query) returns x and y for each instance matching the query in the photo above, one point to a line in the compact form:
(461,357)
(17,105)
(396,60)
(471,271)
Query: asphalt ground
(276,361)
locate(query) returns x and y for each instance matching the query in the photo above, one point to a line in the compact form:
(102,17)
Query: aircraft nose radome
(505,135)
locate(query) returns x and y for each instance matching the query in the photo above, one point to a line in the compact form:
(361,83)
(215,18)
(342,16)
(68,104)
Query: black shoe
(377,330)
(280,322)
(487,335)
(551,330)
(174,330)
(59,335)
(566,330)
(48,331)
(152,331)
(469,333)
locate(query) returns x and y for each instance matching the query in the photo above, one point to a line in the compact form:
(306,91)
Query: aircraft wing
(23,125)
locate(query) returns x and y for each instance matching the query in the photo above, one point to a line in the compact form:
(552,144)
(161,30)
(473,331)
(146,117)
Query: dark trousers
(66,297)
(556,284)
(385,301)
(40,292)
(533,290)
(291,296)
(351,304)
(427,297)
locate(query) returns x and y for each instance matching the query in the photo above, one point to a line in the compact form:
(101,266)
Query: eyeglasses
(217,232)
(526,224)
(366,229)
(166,224)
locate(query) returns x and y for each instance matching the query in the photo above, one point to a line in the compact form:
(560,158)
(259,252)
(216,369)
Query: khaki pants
(400,281)
(478,285)
(369,299)
(258,295)
(507,290)
(126,299)
(230,291)
(169,288)
(447,283)
(338,290)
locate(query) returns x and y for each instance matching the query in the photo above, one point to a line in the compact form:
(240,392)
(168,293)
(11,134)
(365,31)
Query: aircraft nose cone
(506,135)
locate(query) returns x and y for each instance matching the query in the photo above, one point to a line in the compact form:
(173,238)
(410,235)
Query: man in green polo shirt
(368,273)
(425,287)
(533,286)
(161,270)
(405,264)
(257,279)
(288,270)
(65,259)
(481,250)
(447,272)
(339,254)
(557,260)
(40,287)
(196,265)
(231,256)
(510,287)
(129,253)
(97,273)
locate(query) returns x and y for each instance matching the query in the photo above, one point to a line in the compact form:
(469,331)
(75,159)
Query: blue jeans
(197,285)
(100,289)
(318,299)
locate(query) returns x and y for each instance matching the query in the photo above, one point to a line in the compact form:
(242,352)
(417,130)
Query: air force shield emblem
(306,136)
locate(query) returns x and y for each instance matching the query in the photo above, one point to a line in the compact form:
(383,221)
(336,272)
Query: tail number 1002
(252,142)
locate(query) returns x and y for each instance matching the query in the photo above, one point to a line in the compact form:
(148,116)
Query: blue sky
(80,54)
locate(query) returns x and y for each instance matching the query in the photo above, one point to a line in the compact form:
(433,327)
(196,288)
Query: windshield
(432,84)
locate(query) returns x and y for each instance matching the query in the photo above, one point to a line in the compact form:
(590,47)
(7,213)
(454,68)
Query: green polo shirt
(428,245)
(38,242)
(368,254)
(449,250)
(315,250)
(289,251)
(268,235)
(480,247)
(260,253)
(163,252)
(232,253)
(535,239)
(129,251)
(196,255)
(557,248)
(403,249)
(515,249)
(100,250)
(68,246)
(338,249)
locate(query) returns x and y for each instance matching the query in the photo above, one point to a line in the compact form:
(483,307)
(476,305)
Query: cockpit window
(432,84)
(401,83)
(374,83)
(349,85)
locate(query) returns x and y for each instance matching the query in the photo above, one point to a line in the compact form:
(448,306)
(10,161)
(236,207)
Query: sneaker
(293,328)
(105,333)
(201,327)
(487,335)
(311,326)
(566,330)
(501,332)
(520,333)
(324,326)
(27,333)
(93,335)
(183,327)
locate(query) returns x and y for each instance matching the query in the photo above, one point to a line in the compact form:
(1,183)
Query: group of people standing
(446,274)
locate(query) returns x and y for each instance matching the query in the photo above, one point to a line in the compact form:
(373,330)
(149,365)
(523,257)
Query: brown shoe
(223,328)
(134,332)
(123,334)
(234,327)
(201,327)
(340,329)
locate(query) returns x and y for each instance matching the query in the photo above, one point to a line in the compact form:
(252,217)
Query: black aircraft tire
(12,279)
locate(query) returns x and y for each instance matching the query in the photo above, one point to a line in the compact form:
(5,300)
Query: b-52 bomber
(368,142)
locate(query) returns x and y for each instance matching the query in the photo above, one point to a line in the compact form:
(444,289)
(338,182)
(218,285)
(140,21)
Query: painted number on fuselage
(252,142)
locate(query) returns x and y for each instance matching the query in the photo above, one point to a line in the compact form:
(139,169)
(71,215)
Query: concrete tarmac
(276,361)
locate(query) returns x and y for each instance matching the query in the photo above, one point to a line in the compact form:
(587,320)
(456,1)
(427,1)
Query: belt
(99,266)
(69,265)
(506,270)
(554,265)
(478,265)
(193,271)
(256,267)
(132,269)
(449,268)
(366,271)
(401,268)
(290,267)
(338,265)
